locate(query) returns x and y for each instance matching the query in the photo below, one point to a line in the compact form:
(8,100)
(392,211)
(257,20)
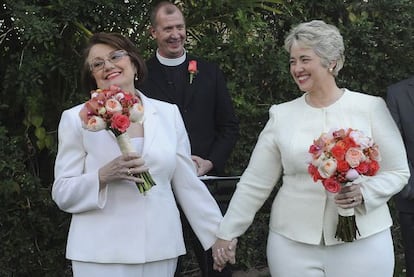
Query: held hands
(124,167)
(202,166)
(349,196)
(224,251)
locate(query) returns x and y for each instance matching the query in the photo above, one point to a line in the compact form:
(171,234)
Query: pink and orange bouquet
(114,109)
(340,157)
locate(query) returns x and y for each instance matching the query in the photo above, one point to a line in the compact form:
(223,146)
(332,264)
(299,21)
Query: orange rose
(338,151)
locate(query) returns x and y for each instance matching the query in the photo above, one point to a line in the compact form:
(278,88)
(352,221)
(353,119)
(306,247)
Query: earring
(330,70)
(136,77)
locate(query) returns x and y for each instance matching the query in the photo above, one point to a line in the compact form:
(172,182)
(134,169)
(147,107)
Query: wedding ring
(129,172)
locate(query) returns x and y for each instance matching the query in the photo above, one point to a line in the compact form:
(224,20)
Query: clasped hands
(224,251)
(202,166)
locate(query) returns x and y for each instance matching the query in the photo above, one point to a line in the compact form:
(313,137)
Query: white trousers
(369,257)
(164,268)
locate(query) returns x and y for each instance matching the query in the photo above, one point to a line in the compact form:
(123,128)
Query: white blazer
(303,210)
(119,224)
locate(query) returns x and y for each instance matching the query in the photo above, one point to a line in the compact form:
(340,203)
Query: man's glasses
(114,57)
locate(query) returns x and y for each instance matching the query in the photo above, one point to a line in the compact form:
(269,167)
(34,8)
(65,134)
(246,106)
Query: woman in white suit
(304,215)
(115,230)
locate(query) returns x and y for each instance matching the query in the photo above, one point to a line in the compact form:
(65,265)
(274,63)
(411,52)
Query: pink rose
(352,174)
(354,157)
(192,69)
(374,153)
(192,66)
(120,122)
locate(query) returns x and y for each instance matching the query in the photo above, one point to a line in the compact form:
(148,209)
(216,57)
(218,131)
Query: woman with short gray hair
(303,238)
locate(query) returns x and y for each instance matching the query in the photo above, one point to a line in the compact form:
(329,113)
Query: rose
(338,151)
(342,166)
(317,161)
(315,150)
(362,168)
(331,185)
(95,123)
(136,113)
(352,174)
(113,106)
(341,133)
(192,69)
(327,168)
(354,156)
(313,171)
(94,106)
(120,122)
(374,154)
(361,139)
(373,168)
(192,66)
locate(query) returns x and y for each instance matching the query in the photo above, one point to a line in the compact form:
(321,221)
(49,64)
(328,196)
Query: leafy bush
(32,230)
(41,43)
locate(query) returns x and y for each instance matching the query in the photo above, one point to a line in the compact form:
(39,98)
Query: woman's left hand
(349,196)
(223,252)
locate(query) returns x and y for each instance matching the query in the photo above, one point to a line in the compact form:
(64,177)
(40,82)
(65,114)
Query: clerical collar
(171,62)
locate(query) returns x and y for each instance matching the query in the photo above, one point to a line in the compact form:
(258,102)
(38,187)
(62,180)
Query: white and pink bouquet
(114,109)
(338,158)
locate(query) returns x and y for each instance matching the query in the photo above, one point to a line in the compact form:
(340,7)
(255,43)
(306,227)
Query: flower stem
(346,229)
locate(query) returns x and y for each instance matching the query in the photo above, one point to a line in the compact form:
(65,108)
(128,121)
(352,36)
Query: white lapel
(150,122)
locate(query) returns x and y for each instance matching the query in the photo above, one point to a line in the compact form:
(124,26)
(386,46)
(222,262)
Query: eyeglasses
(114,57)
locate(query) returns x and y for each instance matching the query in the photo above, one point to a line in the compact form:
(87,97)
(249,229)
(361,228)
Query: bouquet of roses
(114,109)
(339,157)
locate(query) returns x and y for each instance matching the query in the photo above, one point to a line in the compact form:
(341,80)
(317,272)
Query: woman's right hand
(124,167)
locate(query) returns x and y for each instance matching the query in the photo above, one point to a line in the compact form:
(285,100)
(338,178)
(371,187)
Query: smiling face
(170,33)
(307,70)
(115,71)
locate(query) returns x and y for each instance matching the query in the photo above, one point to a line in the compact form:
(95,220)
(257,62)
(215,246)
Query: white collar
(171,62)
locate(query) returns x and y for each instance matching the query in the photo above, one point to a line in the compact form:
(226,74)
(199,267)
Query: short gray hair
(323,38)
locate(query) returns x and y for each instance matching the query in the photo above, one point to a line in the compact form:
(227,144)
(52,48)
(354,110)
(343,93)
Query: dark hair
(168,7)
(119,42)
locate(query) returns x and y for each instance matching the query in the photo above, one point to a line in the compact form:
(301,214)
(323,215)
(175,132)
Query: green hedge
(41,42)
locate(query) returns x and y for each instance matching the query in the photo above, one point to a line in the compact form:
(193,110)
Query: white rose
(95,123)
(327,168)
(136,113)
